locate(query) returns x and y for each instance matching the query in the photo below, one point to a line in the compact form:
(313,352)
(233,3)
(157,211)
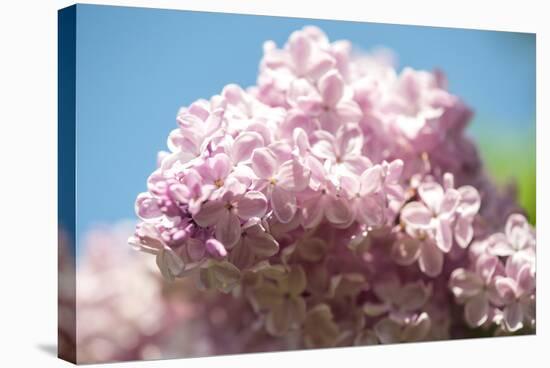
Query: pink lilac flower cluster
(118,300)
(127,311)
(499,285)
(343,201)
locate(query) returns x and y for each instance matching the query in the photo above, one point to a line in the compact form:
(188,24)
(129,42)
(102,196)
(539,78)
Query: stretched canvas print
(237,183)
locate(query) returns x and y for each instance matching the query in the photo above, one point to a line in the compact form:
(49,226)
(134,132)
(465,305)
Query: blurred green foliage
(510,156)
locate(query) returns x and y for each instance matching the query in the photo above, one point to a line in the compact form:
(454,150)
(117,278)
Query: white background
(28,116)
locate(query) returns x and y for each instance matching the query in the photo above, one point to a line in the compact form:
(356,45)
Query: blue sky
(136,67)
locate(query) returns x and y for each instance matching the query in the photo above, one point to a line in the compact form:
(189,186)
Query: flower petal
(350,185)
(267,296)
(418,329)
(331,87)
(349,141)
(465,284)
(464,232)
(393,171)
(293,176)
(220,166)
(279,319)
(354,164)
(195,249)
(444,235)
(313,211)
(338,211)
(485,267)
(320,330)
(498,245)
(415,214)
(244,145)
(375,309)
(476,310)
(169,263)
(297,306)
(264,163)
(284,204)
(251,204)
(324,150)
(506,288)
(431,194)
(320,65)
(370,211)
(371,180)
(526,279)
(223,276)
(296,280)
(388,331)
(406,250)
(513,317)
(241,255)
(260,242)
(147,207)
(515,222)
(312,249)
(413,296)
(303,95)
(215,248)
(450,202)
(210,213)
(228,229)
(470,201)
(329,121)
(348,111)
(431,259)
(300,50)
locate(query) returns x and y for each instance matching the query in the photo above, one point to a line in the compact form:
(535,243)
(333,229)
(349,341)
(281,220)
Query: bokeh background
(136,67)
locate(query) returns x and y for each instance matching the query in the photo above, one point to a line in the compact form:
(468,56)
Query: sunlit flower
(296,195)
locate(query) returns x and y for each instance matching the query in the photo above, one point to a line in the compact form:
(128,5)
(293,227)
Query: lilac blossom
(476,289)
(296,195)
(516,288)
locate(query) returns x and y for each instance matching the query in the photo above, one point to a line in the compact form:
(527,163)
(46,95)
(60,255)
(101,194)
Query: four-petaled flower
(282,298)
(476,289)
(226,213)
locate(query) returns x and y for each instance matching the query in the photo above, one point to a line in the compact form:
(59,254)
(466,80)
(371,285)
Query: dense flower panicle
(500,286)
(342,200)
(117,299)
(127,311)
